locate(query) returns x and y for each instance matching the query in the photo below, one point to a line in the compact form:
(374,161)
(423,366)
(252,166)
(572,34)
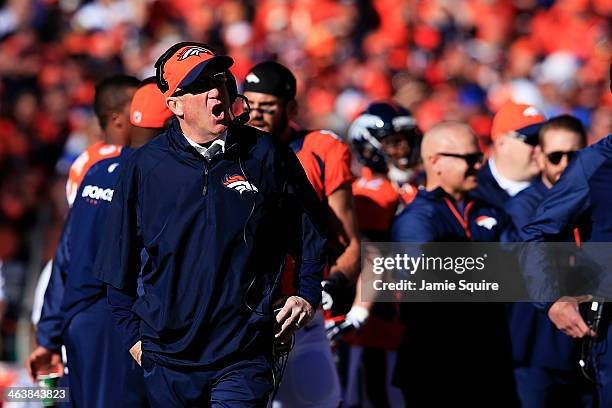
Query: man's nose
(214,92)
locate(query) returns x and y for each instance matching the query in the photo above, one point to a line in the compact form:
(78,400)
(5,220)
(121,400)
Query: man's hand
(136,352)
(43,360)
(566,317)
(296,313)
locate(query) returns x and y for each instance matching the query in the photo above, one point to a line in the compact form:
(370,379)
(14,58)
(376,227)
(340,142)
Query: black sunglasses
(203,84)
(471,158)
(555,157)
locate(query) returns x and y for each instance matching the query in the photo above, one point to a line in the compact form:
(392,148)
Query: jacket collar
(181,145)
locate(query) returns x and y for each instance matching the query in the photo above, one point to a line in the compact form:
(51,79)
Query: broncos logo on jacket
(239,183)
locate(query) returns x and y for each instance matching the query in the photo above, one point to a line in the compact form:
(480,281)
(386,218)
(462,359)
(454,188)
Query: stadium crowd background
(442,59)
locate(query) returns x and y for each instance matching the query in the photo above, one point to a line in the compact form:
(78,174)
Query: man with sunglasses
(443,342)
(545,358)
(208,211)
(512,165)
(582,199)
(270,87)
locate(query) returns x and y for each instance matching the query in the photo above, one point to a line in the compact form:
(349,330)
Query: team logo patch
(137,117)
(486,222)
(531,111)
(192,51)
(252,78)
(239,183)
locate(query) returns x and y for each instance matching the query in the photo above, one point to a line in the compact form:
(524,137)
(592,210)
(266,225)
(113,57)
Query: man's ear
(433,163)
(119,120)
(292,109)
(175,105)
(499,142)
(539,156)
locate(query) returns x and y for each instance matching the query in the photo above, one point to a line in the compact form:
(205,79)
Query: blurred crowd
(441,59)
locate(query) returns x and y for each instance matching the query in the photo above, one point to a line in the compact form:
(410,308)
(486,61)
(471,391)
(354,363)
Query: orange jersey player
(399,140)
(384,137)
(311,376)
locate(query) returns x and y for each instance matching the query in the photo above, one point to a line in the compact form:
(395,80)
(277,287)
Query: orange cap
(187,63)
(523,119)
(148,108)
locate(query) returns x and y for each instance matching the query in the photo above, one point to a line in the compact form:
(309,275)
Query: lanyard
(577,237)
(463,220)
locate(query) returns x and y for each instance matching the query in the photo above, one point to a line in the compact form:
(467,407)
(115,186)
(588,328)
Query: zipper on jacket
(205,188)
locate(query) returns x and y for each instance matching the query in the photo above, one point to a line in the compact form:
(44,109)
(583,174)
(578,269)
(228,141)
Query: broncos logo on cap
(192,51)
(251,77)
(486,222)
(239,183)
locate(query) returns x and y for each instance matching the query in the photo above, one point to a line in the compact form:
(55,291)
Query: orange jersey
(81,165)
(407,193)
(326,160)
(376,201)
(327,163)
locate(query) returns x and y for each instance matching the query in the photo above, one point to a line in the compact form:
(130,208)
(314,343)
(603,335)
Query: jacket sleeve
(49,328)
(311,237)
(562,206)
(118,258)
(567,201)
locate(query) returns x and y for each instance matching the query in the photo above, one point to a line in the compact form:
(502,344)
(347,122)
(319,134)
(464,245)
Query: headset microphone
(244,117)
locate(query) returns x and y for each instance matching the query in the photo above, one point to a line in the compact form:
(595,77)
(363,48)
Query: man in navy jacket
(443,342)
(75,311)
(208,211)
(512,164)
(581,198)
(545,358)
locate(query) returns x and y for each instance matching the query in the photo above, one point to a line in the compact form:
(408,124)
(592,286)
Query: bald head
(449,137)
(451,158)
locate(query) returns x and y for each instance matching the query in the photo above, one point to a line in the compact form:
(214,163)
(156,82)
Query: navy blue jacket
(582,197)
(72,286)
(214,236)
(429,219)
(535,340)
(447,338)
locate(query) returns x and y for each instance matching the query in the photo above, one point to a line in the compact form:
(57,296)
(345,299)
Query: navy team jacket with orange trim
(581,198)
(454,335)
(214,236)
(72,286)
(433,216)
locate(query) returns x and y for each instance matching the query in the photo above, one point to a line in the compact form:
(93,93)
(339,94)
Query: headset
(231,84)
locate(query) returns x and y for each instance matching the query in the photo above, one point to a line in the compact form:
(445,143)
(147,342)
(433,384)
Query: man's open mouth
(218,111)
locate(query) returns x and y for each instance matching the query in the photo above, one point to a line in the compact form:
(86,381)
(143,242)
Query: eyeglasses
(470,158)
(556,157)
(203,84)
